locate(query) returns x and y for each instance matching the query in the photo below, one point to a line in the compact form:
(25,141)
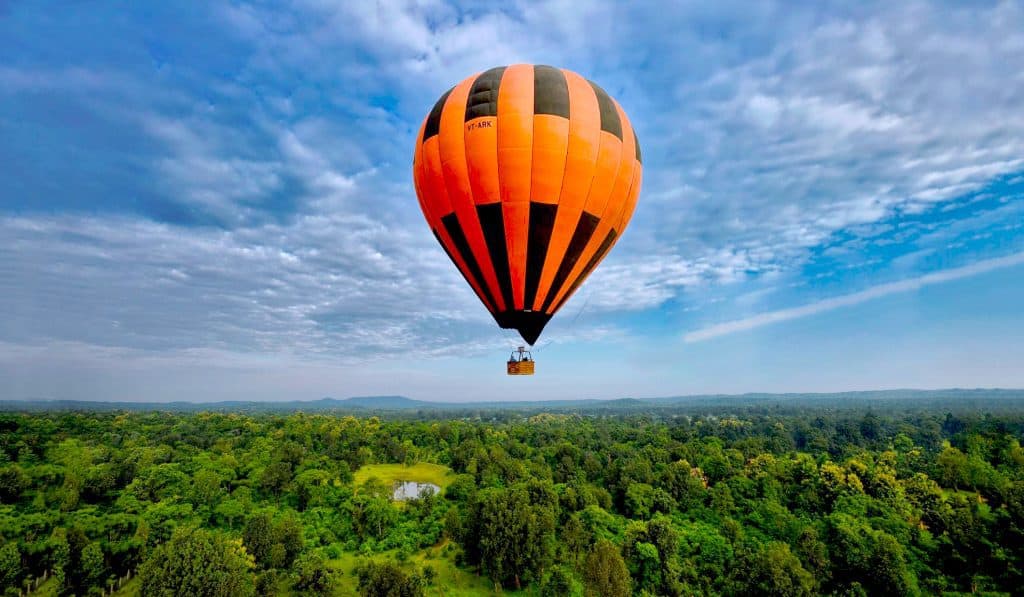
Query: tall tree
(198,563)
(771,571)
(258,537)
(13,481)
(10,565)
(93,565)
(604,572)
(515,536)
(313,576)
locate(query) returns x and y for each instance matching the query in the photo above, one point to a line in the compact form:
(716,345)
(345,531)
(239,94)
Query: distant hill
(951,398)
(841,399)
(382,402)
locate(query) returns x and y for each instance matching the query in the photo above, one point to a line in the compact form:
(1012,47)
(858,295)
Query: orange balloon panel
(527,176)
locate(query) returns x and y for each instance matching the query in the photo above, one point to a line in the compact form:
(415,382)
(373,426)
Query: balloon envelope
(527,176)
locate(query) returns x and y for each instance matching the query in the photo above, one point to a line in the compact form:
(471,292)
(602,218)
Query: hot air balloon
(527,176)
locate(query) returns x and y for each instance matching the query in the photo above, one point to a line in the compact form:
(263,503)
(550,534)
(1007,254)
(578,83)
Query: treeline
(880,503)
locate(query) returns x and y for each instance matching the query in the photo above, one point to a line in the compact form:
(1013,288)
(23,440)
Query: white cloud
(768,129)
(817,125)
(340,285)
(743,325)
(853,121)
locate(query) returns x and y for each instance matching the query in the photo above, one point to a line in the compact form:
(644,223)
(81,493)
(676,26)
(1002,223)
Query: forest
(743,502)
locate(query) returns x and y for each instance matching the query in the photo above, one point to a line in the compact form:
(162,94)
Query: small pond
(410,490)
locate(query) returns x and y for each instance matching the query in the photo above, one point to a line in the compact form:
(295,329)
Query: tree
(650,550)
(707,555)
(927,498)
(60,554)
(870,557)
(387,579)
(312,488)
(461,488)
(685,484)
(604,572)
(514,538)
(288,534)
(639,500)
(574,537)
(98,482)
(870,426)
(646,565)
(206,489)
(10,565)
(812,552)
(951,466)
(558,583)
(772,571)
(258,537)
(266,583)
(93,565)
(13,481)
(374,515)
(198,563)
(276,477)
(312,575)
(273,545)
(230,510)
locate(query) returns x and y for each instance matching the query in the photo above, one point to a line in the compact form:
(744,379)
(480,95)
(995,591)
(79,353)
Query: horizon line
(648,398)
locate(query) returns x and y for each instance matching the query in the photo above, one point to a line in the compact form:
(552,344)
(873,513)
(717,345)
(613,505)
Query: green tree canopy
(605,573)
(387,579)
(198,563)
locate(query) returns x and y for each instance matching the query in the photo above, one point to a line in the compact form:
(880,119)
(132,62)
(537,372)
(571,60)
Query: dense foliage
(197,562)
(754,503)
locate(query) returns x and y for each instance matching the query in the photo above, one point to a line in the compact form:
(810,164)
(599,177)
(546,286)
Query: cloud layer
(237,179)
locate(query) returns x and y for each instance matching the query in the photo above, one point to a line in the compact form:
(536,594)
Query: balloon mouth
(529,324)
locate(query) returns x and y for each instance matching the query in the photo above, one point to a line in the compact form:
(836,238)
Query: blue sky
(211,200)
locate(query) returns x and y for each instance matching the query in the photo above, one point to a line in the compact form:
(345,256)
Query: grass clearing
(421,472)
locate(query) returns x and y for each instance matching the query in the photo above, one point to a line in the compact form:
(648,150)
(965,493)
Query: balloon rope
(509,337)
(572,324)
(547,343)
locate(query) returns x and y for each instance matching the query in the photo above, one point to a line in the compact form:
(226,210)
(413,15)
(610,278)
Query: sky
(213,200)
